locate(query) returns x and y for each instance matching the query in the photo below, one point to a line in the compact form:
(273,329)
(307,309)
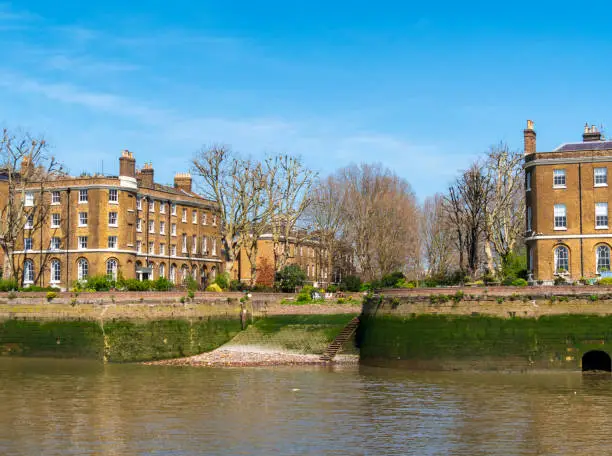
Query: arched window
(561,259)
(28,271)
(56,271)
(112,267)
(603,258)
(184,273)
(162,270)
(194,273)
(82,269)
(213,273)
(151,266)
(173,273)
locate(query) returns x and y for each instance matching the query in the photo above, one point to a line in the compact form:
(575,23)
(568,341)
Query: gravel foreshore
(249,356)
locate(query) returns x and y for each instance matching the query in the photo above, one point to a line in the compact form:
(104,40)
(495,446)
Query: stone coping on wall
(501,291)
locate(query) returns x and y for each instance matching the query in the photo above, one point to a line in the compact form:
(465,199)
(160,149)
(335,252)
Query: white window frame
(82,242)
(214,220)
(82,269)
(557,174)
(53,220)
(28,244)
(598,257)
(29,199)
(139,225)
(162,227)
(83,196)
(113,242)
(214,247)
(162,270)
(151,205)
(28,272)
(56,271)
(203,218)
(556,258)
(112,268)
(55,243)
(151,227)
(81,219)
(601,216)
(173,229)
(116,224)
(204,245)
(597,174)
(560,217)
(139,203)
(194,244)
(162,207)
(151,248)
(162,248)
(173,209)
(184,216)
(173,250)
(139,246)
(113,196)
(194,217)
(29,223)
(184,247)
(56,197)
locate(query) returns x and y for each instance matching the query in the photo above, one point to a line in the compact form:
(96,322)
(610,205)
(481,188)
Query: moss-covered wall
(478,341)
(115,340)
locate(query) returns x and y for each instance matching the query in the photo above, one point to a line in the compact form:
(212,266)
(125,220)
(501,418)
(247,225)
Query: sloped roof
(589,145)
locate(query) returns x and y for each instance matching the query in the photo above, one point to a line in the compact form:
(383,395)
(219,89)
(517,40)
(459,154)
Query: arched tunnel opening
(596,360)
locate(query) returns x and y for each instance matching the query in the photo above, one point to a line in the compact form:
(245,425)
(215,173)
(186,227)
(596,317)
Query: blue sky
(423,87)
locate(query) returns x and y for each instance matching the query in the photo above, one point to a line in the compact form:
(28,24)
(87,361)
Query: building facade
(126,225)
(567,205)
(307,254)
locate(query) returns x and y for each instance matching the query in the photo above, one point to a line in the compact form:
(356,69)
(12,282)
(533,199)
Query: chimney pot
(127,164)
(591,133)
(529,136)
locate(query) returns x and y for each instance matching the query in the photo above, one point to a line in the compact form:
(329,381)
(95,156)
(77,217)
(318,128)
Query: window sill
(114,226)
(56,226)
(116,203)
(54,204)
(79,226)
(83,202)
(600,185)
(560,228)
(559,186)
(601,227)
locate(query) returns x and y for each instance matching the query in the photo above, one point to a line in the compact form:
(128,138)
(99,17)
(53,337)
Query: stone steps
(336,345)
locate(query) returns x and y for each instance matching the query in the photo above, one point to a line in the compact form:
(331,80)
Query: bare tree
(289,197)
(326,215)
(236,184)
(505,204)
(437,237)
(465,206)
(27,168)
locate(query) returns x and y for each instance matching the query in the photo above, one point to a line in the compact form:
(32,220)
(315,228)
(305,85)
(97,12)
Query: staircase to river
(346,333)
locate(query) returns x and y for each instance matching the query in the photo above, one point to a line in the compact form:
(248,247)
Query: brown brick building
(125,225)
(567,203)
(307,254)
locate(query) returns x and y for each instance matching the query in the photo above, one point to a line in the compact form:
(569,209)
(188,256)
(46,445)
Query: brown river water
(70,407)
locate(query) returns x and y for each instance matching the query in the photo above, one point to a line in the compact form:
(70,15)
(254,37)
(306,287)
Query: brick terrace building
(307,254)
(128,225)
(567,200)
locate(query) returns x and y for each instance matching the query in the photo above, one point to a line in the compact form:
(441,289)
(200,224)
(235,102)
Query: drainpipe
(580,206)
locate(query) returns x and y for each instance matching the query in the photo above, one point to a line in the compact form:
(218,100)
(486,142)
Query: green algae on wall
(117,340)
(129,341)
(489,342)
(60,339)
(307,334)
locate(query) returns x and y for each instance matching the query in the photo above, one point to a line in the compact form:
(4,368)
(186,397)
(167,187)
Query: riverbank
(252,356)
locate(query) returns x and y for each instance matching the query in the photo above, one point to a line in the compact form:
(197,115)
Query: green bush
(519,282)
(214,287)
(237,285)
(134,285)
(223,280)
(607,281)
(560,281)
(51,295)
(36,288)
(332,288)
(290,277)
(162,284)
(391,280)
(8,285)
(351,283)
(305,294)
(192,284)
(403,284)
(100,283)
